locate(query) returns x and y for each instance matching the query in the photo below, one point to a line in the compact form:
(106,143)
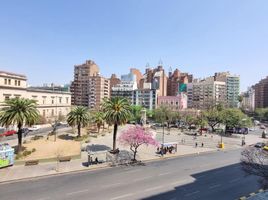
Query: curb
(53,175)
(102,167)
(252,194)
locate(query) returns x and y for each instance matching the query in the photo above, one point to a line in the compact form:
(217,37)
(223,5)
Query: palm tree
(20,112)
(117,111)
(79,116)
(98,119)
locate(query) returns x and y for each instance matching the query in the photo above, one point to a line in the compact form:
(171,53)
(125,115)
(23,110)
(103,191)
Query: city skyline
(50,38)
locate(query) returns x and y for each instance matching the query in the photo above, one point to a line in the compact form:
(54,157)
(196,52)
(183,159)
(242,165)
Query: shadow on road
(228,182)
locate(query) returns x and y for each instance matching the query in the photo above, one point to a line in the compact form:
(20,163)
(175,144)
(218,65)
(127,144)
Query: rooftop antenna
(160,62)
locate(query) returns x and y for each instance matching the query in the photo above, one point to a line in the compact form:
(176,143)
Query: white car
(34,128)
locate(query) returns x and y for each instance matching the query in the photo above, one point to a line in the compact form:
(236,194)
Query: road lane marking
(131,171)
(111,185)
(163,174)
(76,192)
(122,196)
(192,193)
(214,186)
(144,178)
(234,180)
(153,188)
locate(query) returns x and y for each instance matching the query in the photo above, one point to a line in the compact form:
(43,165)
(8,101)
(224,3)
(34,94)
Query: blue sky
(45,39)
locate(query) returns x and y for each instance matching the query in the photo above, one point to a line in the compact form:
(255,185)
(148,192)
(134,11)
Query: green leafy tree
(202,121)
(262,113)
(98,119)
(235,118)
(80,117)
(213,116)
(136,113)
(161,114)
(19,112)
(117,111)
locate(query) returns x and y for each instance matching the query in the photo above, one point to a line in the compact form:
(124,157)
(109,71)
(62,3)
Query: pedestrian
(196,144)
(202,144)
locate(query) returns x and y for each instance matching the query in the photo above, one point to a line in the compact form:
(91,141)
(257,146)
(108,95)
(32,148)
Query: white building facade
(50,104)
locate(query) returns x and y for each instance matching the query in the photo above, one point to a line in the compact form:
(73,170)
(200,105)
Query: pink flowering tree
(136,136)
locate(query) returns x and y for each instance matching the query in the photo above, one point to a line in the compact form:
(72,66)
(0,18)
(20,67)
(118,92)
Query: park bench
(65,159)
(31,162)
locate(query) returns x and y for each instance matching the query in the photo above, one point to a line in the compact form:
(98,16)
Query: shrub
(26,153)
(18,156)
(33,150)
(82,138)
(37,137)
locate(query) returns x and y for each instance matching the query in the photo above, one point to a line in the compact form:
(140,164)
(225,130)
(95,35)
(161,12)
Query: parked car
(9,133)
(34,128)
(259,145)
(25,131)
(203,129)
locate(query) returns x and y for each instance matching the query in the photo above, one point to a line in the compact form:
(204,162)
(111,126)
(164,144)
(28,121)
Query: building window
(59,99)
(18,83)
(5,81)
(6,97)
(67,100)
(9,81)
(52,112)
(52,101)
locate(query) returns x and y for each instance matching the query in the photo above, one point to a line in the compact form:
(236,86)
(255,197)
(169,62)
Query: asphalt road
(41,131)
(203,177)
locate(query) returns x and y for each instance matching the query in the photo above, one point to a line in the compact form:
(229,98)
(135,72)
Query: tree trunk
(19,137)
(114,136)
(98,125)
(213,129)
(79,130)
(134,156)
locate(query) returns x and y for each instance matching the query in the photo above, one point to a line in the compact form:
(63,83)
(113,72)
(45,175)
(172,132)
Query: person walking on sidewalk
(202,144)
(196,144)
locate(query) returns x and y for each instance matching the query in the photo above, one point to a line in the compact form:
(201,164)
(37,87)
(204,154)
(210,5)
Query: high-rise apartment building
(113,82)
(177,82)
(157,78)
(248,101)
(126,87)
(261,93)
(147,98)
(89,88)
(207,93)
(138,75)
(232,87)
